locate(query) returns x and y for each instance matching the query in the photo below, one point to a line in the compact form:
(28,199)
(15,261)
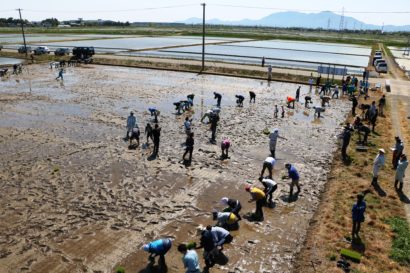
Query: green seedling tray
(351,254)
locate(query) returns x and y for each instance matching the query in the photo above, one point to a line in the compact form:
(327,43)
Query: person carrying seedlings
(260,197)
(227,220)
(270,187)
(239,100)
(225,144)
(273,139)
(252,96)
(308,99)
(156,133)
(269,163)
(189,259)
(131,122)
(397,151)
(297,94)
(159,247)
(234,206)
(290,100)
(358,210)
(60,74)
(325,99)
(400,171)
(378,163)
(220,236)
(135,135)
(294,175)
(148,132)
(189,147)
(218,98)
(154,112)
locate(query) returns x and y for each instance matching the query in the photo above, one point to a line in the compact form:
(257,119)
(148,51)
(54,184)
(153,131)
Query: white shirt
(270,160)
(270,183)
(378,164)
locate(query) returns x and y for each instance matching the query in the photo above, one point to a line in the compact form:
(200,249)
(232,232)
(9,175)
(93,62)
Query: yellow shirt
(257,193)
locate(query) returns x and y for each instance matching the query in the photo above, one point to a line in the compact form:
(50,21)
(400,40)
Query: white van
(381,68)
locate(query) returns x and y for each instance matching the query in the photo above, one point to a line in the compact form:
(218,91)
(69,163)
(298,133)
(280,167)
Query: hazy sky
(133,10)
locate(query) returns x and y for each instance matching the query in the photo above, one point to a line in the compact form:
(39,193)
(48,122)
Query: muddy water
(75,199)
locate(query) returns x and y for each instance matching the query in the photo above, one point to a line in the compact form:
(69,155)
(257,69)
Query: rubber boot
(395,183)
(401,186)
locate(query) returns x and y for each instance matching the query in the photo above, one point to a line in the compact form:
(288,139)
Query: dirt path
(400,105)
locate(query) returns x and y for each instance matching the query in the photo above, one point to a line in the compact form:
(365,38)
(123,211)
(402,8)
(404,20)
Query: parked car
(378,61)
(381,68)
(61,51)
(83,52)
(41,50)
(24,49)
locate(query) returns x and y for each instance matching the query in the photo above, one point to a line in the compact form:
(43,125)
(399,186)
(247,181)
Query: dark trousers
(354,111)
(355,228)
(269,193)
(156,146)
(218,102)
(259,210)
(272,152)
(344,148)
(213,129)
(267,165)
(188,150)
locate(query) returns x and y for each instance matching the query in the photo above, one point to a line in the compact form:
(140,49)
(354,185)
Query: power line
(120,10)
(309,10)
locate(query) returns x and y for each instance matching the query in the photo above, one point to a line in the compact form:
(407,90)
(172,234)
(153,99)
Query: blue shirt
(358,211)
(190,261)
(293,173)
(160,246)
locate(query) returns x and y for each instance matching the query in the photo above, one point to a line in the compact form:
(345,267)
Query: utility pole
(203,36)
(22,30)
(342,18)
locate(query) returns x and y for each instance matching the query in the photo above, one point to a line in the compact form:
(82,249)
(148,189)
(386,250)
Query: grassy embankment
(382,243)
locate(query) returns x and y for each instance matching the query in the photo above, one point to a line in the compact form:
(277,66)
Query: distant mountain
(325,20)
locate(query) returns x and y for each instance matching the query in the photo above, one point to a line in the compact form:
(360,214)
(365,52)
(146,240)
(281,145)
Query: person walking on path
(358,210)
(156,133)
(377,165)
(294,175)
(259,196)
(400,171)
(398,150)
(382,104)
(297,94)
(189,147)
(269,163)
(273,139)
(270,187)
(346,135)
(214,125)
(354,104)
(131,121)
(60,74)
(218,98)
(189,259)
(158,248)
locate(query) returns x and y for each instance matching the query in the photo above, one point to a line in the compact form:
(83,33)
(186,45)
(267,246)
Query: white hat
(224,200)
(382,150)
(276,130)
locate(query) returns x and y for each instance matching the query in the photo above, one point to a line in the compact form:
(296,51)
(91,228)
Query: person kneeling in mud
(226,220)
(135,134)
(318,110)
(239,100)
(291,101)
(159,247)
(308,99)
(225,144)
(234,206)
